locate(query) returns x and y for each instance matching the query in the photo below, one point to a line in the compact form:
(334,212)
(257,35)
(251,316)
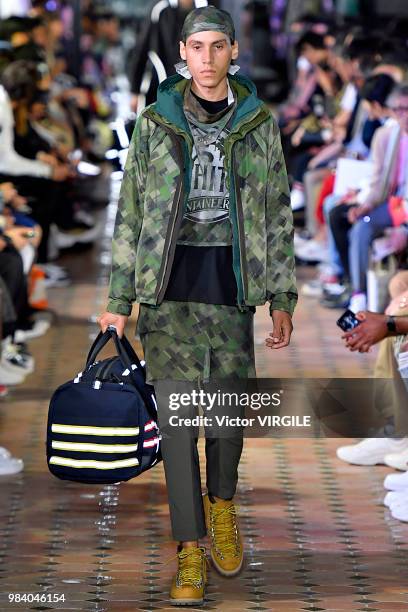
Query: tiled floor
(316,534)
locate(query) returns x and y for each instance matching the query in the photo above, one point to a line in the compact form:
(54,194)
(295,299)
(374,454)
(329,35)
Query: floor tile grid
(345,537)
(371,548)
(12,576)
(398,534)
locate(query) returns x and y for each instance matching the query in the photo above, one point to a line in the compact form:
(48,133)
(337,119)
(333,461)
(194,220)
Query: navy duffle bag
(102,425)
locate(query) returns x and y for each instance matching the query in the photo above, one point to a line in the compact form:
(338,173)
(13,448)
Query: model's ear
(235,50)
(183,54)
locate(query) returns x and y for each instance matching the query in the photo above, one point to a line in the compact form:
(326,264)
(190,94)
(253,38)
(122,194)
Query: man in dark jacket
(156,53)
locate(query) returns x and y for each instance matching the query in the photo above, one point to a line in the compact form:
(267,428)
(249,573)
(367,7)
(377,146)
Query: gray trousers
(182,466)
(362,234)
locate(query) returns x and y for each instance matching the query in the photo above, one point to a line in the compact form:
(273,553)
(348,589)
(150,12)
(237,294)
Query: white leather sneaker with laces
(371,451)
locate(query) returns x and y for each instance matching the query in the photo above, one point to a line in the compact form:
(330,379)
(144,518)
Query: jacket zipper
(170,244)
(254,122)
(240,227)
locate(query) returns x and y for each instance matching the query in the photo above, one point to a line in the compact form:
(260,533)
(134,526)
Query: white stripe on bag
(94,448)
(97,465)
(149,425)
(150,442)
(94,431)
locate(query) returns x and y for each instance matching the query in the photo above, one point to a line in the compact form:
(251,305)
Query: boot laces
(224,531)
(190,569)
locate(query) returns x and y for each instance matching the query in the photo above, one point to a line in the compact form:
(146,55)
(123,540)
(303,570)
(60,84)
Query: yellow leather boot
(226,543)
(188,585)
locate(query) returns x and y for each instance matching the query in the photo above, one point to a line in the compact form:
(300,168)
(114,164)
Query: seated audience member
(337,128)
(15,358)
(391,331)
(33,177)
(42,172)
(374,96)
(355,225)
(312,51)
(21,33)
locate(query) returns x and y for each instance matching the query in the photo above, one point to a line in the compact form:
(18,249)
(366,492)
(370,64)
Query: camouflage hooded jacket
(154,192)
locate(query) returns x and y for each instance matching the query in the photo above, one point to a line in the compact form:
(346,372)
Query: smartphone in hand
(348,321)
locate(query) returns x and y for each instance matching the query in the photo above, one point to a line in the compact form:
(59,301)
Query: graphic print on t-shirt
(209,200)
(206,219)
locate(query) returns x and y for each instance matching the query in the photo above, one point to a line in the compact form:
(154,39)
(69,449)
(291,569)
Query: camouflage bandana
(204,19)
(208,18)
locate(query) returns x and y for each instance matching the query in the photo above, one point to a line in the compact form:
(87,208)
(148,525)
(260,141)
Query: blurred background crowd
(73,77)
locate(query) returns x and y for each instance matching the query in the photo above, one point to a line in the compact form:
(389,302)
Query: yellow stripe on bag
(94,448)
(97,465)
(94,431)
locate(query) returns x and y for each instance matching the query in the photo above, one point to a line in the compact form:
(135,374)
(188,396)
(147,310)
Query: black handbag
(102,425)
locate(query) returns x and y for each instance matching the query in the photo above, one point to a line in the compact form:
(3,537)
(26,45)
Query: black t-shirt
(203,273)
(210,106)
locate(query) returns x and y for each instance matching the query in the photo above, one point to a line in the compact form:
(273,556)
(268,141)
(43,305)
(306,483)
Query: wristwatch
(391,326)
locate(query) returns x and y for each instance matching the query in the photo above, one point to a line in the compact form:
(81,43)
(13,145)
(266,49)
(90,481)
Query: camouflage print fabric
(154,193)
(194,110)
(208,18)
(193,341)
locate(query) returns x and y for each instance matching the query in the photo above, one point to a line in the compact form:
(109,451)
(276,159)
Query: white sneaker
(371,451)
(56,282)
(53,270)
(333,289)
(10,378)
(300,239)
(4,453)
(400,512)
(312,288)
(84,216)
(396,482)
(398,461)
(67,239)
(297,199)
(12,357)
(395,497)
(322,284)
(10,466)
(39,328)
(399,507)
(358,302)
(312,250)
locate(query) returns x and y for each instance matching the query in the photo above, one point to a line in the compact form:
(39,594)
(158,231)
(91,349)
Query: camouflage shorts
(193,341)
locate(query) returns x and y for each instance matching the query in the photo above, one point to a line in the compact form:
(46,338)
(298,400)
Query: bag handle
(123,348)
(127,355)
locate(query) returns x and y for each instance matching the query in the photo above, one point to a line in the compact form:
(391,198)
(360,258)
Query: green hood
(170,99)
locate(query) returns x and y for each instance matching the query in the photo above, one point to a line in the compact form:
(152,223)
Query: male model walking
(203,234)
